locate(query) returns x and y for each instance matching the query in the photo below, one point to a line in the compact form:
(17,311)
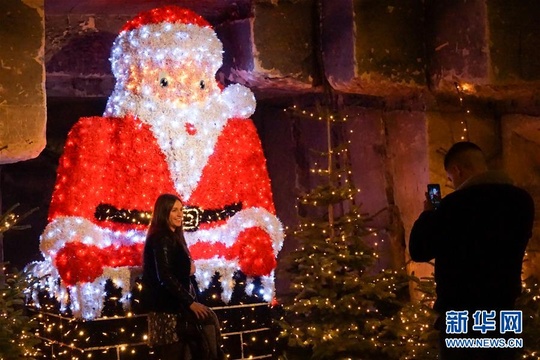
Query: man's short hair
(456,152)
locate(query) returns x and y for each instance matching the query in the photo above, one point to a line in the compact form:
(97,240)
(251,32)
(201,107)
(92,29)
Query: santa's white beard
(185,153)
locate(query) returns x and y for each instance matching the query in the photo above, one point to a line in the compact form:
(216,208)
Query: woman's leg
(212,334)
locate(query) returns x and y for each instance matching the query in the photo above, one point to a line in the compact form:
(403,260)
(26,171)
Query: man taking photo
(477,236)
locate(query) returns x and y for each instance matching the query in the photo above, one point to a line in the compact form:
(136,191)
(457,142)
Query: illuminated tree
(529,303)
(414,336)
(16,327)
(17,340)
(342,307)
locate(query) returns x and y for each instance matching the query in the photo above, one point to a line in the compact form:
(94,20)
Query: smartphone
(434,194)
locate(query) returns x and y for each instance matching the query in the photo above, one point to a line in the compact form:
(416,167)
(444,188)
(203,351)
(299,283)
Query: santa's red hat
(170,14)
(164,34)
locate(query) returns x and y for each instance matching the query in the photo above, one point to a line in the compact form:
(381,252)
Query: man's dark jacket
(166,280)
(477,237)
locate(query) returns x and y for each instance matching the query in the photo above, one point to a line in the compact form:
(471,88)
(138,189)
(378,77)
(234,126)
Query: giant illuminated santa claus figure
(168,127)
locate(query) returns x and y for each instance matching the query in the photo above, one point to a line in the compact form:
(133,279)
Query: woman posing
(178,326)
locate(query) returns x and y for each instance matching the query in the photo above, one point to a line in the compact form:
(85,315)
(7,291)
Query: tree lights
(16,327)
(343,307)
(461,88)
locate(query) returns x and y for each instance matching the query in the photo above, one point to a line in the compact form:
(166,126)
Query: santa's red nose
(190,129)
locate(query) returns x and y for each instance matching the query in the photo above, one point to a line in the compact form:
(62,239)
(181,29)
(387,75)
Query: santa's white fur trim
(162,41)
(205,270)
(226,268)
(64,229)
(85,300)
(187,155)
(239,100)
(242,220)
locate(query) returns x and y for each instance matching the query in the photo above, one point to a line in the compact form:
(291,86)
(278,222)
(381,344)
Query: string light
(10,219)
(341,270)
(461,88)
(127,333)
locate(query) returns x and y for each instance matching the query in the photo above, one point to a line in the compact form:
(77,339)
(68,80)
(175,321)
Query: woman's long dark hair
(162,210)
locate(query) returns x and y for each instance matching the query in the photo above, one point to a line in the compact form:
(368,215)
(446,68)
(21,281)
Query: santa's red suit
(168,129)
(114,165)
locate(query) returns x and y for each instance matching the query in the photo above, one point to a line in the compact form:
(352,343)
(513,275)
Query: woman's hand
(192,269)
(200,310)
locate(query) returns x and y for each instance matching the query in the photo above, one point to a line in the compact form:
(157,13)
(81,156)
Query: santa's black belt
(193,216)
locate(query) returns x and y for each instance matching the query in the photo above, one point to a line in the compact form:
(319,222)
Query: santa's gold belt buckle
(192,218)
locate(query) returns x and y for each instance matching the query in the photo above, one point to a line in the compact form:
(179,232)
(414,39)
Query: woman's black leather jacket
(166,266)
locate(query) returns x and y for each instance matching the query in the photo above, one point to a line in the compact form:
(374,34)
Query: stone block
(457,43)
(237,45)
(375,47)
(283,42)
(338,41)
(488,48)
(409,163)
(514,41)
(77,54)
(22,96)
(389,41)
(365,133)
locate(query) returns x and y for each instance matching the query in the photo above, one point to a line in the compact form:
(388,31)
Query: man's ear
(456,169)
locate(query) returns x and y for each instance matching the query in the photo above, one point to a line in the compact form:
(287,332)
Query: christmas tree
(343,306)
(17,340)
(413,335)
(16,327)
(529,304)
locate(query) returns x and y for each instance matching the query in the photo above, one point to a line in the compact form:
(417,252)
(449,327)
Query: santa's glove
(80,263)
(255,253)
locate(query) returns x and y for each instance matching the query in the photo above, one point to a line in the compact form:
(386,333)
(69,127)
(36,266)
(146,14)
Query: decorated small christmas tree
(529,303)
(343,306)
(16,327)
(17,340)
(413,334)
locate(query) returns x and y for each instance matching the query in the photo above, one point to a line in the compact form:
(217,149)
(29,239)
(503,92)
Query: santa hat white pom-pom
(239,100)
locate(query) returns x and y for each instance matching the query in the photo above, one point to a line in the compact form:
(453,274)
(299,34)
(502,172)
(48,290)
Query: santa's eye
(201,84)
(163,82)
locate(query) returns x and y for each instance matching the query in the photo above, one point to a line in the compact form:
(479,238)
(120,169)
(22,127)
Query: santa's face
(180,84)
(182,102)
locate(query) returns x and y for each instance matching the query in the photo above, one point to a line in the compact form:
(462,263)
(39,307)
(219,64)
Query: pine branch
(9,220)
